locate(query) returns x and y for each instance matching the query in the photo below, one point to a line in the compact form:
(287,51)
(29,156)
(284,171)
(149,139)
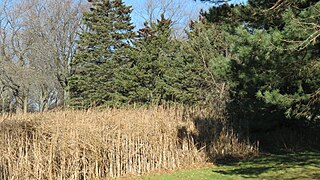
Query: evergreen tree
(103,49)
(222,15)
(274,52)
(153,73)
(276,64)
(301,37)
(265,14)
(209,62)
(163,69)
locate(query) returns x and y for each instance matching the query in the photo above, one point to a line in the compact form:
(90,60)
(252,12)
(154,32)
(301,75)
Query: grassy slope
(287,166)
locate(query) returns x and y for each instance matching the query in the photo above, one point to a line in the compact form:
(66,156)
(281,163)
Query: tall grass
(100,144)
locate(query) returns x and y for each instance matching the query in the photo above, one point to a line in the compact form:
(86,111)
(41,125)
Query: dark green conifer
(273,47)
(147,78)
(276,62)
(161,69)
(102,50)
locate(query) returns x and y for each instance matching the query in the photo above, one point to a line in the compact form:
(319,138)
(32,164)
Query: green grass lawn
(285,166)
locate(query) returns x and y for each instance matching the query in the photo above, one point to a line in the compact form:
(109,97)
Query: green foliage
(264,55)
(222,15)
(265,14)
(161,69)
(152,69)
(102,49)
(148,76)
(275,68)
(209,54)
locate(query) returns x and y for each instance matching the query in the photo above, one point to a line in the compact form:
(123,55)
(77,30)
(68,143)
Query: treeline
(115,66)
(38,40)
(264,56)
(273,69)
(257,62)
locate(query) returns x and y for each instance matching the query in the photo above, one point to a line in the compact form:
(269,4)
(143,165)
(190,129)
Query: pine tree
(103,49)
(209,60)
(146,78)
(161,69)
(276,69)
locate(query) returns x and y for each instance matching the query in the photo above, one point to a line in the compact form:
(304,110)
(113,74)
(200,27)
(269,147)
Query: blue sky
(192,6)
(132,2)
(137,18)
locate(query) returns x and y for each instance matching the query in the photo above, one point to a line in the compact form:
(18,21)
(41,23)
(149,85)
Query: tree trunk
(3,105)
(2,100)
(19,107)
(25,104)
(65,96)
(43,106)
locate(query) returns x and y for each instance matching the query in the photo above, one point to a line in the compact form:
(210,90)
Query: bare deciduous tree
(37,43)
(180,12)
(56,25)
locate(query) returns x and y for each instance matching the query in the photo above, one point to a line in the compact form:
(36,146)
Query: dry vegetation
(109,143)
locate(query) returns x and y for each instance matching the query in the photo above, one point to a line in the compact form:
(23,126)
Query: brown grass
(98,144)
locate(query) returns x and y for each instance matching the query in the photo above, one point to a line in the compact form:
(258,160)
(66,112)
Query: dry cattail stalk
(99,144)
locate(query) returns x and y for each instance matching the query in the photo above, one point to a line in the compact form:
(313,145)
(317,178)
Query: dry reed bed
(96,144)
(91,145)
